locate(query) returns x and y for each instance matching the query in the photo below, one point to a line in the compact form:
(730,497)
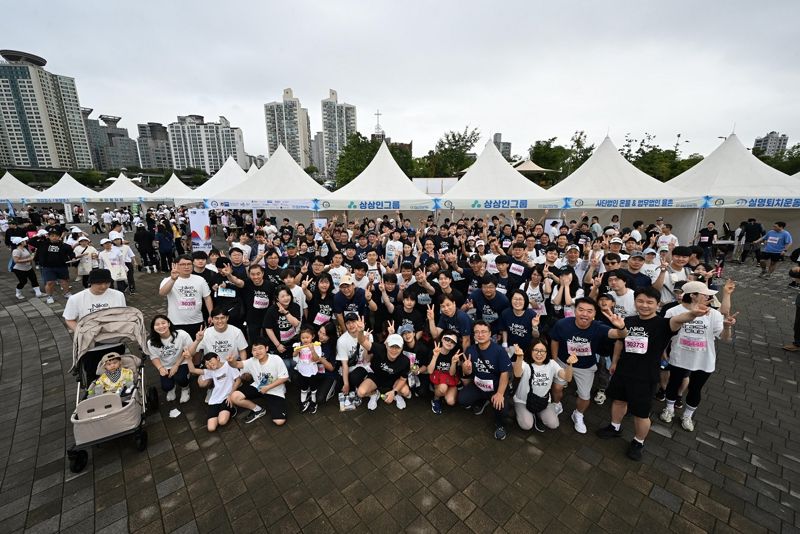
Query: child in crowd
(226,380)
(115,378)
(307,355)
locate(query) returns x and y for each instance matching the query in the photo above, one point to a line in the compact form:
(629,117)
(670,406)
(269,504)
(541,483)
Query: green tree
(451,153)
(564,159)
(660,163)
(787,161)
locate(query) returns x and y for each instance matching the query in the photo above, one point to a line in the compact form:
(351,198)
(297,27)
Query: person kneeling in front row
(536,372)
(269,377)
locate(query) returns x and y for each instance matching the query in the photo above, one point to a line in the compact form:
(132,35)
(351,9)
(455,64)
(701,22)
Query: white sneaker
(50,300)
(67,295)
(20,296)
(184,395)
(37,293)
(373,401)
(688,424)
(78,279)
(171,395)
(667,415)
(600,397)
(400,401)
(577,420)
(558,408)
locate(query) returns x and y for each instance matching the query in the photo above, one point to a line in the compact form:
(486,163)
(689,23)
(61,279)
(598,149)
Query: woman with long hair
(166,347)
(536,372)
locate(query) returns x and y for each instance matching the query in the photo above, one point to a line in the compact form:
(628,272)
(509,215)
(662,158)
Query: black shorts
(277,405)
(383,382)
(215,409)
(356,376)
(637,393)
(774,257)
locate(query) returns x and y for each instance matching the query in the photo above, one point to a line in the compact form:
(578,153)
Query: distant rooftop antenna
(378,128)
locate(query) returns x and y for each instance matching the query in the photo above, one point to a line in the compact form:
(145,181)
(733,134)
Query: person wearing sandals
(536,372)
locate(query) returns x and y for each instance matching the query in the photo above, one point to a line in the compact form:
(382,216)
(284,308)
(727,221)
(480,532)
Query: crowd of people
(497,313)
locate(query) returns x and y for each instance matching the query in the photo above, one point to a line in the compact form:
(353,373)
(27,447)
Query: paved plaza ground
(390,471)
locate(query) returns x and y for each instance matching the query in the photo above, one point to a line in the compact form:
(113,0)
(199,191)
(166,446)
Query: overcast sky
(530,70)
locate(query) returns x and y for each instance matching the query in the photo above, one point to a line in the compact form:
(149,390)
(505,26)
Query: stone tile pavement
(412,471)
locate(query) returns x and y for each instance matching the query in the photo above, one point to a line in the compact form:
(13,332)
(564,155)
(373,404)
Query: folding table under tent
(226,177)
(172,189)
(281,187)
(381,188)
(736,185)
(607,184)
(12,191)
(492,185)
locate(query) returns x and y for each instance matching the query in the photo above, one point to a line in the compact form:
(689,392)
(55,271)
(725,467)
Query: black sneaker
(536,424)
(304,406)
(436,406)
(500,433)
(312,407)
(661,395)
(480,407)
(252,416)
(608,432)
(235,411)
(635,450)
(679,402)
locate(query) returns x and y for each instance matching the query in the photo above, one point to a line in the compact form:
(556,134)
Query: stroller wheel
(152,399)
(77,460)
(140,439)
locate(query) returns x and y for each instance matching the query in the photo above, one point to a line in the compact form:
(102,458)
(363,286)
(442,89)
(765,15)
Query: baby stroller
(107,416)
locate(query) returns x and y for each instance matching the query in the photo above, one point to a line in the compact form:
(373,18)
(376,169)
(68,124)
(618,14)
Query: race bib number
(636,344)
(484,385)
(703,239)
(772,240)
(579,348)
(260,303)
(186,304)
(501,289)
(286,335)
(321,318)
(569,311)
(692,344)
(226,292)
(490,317)
(516,269)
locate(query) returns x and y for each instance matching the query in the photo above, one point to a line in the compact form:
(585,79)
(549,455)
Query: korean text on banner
(201,229)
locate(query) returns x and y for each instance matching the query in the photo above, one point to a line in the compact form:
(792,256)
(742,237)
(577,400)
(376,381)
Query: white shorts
(584,379)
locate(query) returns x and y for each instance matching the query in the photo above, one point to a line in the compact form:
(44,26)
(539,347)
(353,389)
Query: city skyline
(629,68)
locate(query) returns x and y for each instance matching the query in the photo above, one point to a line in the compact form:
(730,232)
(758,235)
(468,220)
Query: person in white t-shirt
(223,339)
(99,296)
(624,304)
(353,357)
(693,353)
(269,376)
(186,294)
(166,347)
(667,238)
(226,381)
(112,258)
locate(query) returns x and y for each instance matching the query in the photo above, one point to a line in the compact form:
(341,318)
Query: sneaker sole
(258,415)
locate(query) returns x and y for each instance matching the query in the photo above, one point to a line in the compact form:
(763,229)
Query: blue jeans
(180,378)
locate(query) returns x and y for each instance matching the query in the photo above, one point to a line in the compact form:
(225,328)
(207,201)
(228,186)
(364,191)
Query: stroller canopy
(109,325)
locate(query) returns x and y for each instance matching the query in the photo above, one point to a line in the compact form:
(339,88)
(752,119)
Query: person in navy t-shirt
(488,303)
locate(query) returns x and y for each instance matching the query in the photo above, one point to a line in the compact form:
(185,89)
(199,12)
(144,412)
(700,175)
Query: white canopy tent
(607,184)
(382,186)
(492,183)
(66,189)
(122,190)
(173,189)
(528,166)
(14,191)
(737,186)
(227,176)
(252,170)
(279,185)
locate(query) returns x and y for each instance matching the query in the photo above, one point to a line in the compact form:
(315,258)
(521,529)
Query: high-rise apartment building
(205,145)
(318,153)
(338,124)
(154,150)
(41,124)
(771,143)
(110,146)
(502,146)
(287,124)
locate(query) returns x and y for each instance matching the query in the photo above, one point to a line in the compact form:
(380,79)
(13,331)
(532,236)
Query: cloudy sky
(528,69)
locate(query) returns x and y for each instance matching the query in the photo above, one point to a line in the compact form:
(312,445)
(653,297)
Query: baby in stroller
(115,377)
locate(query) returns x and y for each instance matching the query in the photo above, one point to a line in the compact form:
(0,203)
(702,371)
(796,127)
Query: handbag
(535,403)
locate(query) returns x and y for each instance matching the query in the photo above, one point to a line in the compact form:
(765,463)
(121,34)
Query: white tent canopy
(172,189)
(732,176)
(381,186)
(12,190)
(279,184)
(227,176)
(529,166)
(492,183)
(66,189)
(252,170)
(608,180)
(122,190)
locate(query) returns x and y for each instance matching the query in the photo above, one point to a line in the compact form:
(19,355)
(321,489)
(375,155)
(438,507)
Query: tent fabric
(732,176)
(66,189)
(122,190)
(608,180)
(228,175)
(252,170)
(280,184)
(530,166)
(12,190)
(172,189)
(488,181)
(381,186)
